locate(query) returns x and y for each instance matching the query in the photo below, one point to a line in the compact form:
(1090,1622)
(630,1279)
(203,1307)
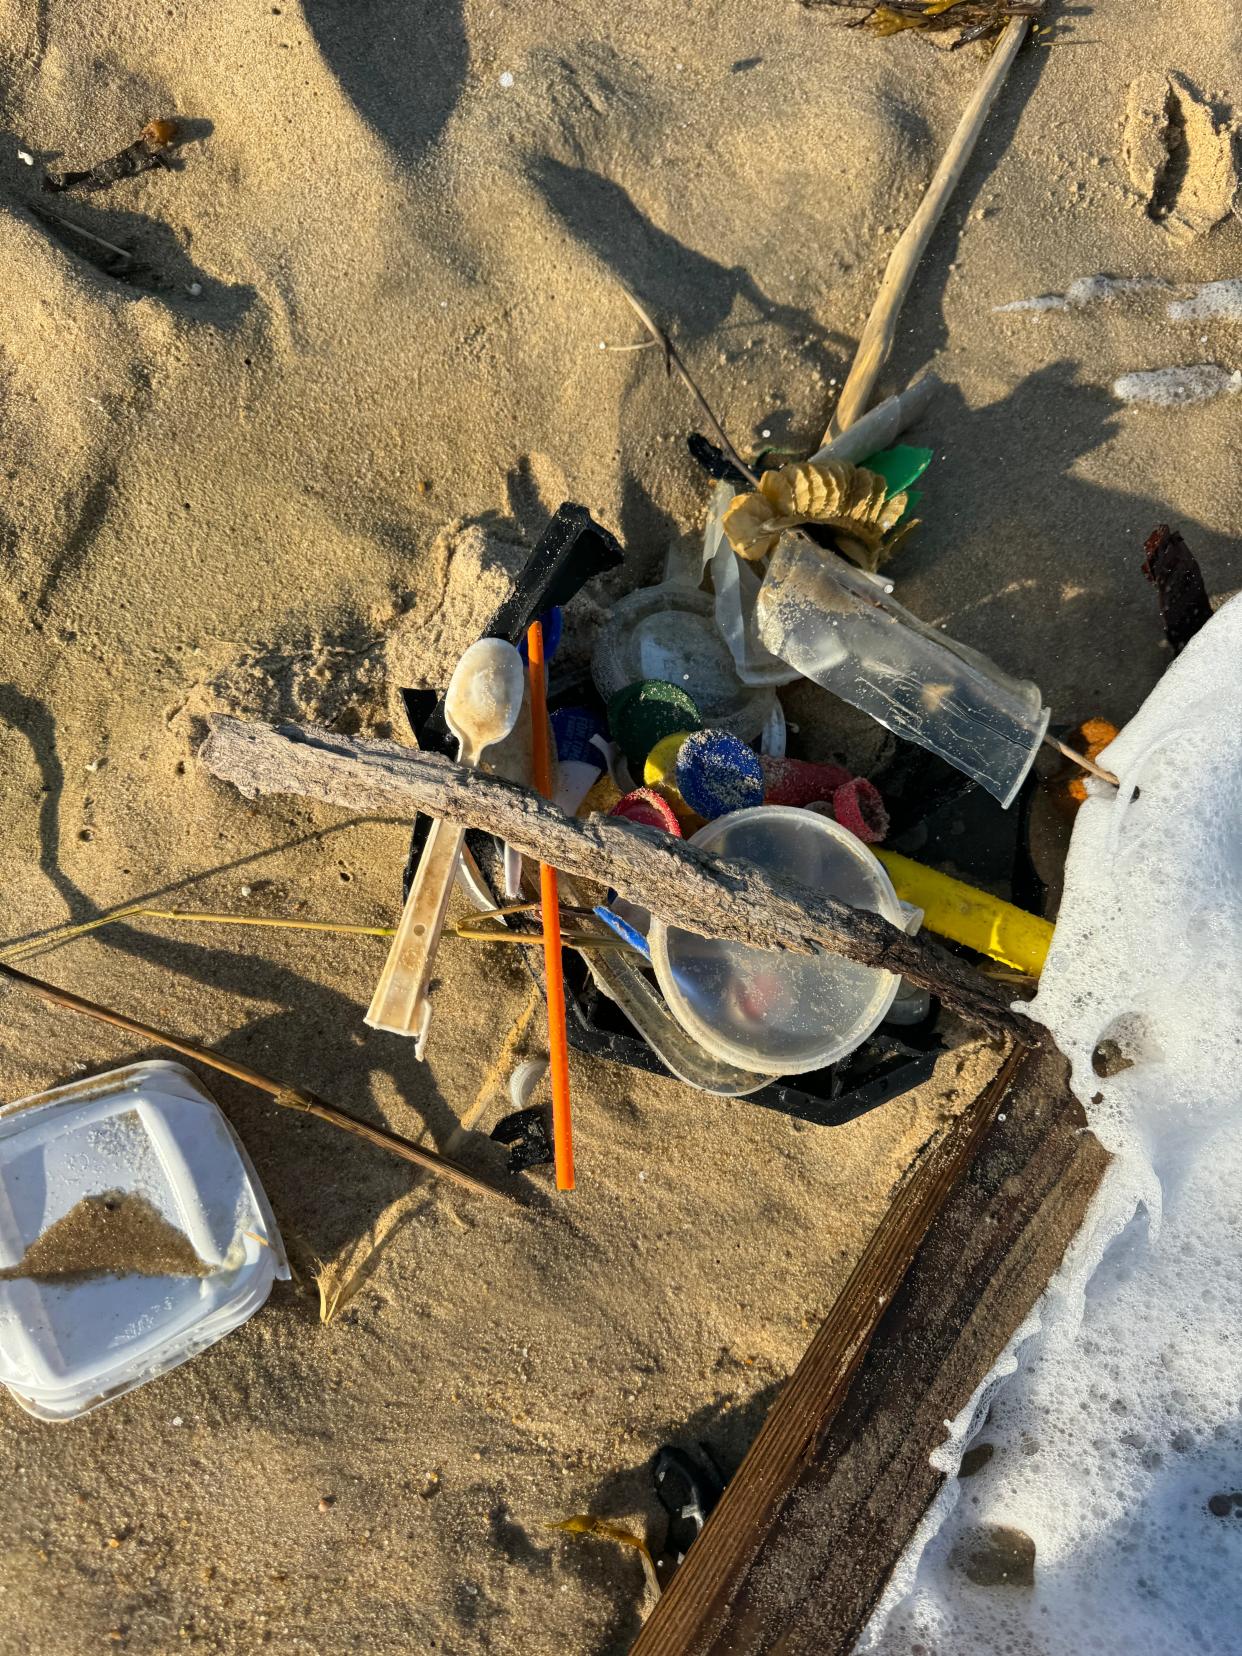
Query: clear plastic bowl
(761,1009)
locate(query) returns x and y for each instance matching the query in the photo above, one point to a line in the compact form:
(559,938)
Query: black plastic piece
(887,1064)
(688,1487)
(714,461)
(528,1135)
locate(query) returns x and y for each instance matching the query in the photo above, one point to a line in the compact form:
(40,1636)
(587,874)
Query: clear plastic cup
(761,1009)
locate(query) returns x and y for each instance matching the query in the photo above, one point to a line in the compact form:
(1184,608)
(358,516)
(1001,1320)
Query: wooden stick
(86,235)
(798,1551)
(684,886)
(672,358)
(877,336)
(292,1097)
(550,904)
(1081,759)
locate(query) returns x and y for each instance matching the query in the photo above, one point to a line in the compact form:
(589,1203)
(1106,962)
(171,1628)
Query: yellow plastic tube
(964,914)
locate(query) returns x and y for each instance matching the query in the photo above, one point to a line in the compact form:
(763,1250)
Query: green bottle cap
(643,713)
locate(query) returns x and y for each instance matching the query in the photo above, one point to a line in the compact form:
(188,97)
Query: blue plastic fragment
(553,624)
(624,930)
(575,729)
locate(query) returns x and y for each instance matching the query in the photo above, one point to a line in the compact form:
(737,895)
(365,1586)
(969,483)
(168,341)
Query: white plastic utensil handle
(400,1004)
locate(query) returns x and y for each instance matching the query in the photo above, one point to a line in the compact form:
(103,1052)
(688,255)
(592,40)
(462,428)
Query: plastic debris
(624,930)
(688,1487)
(136,1234)
(841,628)
(526,1135)
(641,714)
(900,467)
(833,494)
(800,781)
(645,807)
(660,773)
(716,774)
(1170,566)
(964,914)
(579,761)
(736,588)
(857,805)
(1091,738)
(669,632)
(778,1012)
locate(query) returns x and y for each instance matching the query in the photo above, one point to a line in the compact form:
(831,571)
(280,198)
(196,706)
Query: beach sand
(360,337)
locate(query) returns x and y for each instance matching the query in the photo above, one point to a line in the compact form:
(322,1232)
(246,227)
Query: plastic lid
(669,632)
(151,1134)
(760,1009)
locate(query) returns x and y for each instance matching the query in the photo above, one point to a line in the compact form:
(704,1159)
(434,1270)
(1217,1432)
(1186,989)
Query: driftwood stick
(795,1556)
(881,326)
(683,886)
(292,1098)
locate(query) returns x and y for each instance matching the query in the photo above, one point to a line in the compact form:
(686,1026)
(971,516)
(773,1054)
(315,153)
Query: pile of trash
(675,728)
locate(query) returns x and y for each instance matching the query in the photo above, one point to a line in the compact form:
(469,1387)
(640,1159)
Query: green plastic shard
(900,466)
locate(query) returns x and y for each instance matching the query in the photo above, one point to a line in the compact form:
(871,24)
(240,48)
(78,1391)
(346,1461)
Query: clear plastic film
(842,628)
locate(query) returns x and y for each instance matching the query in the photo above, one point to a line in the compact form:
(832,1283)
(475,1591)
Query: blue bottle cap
(718,773)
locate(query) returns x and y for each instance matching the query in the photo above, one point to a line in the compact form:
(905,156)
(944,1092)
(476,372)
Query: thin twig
(1081,759)
(87,235)
(672,359)
(643,345)
(67,934)
(291,1097)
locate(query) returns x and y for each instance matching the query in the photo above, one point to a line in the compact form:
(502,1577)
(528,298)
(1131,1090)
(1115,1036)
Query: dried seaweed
(973,19)
(148,150)
(601,1529)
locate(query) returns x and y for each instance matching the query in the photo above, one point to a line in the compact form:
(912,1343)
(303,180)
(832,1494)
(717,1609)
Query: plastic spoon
(481,707)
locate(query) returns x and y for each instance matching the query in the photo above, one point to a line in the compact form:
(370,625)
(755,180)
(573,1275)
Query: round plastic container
(782,1014)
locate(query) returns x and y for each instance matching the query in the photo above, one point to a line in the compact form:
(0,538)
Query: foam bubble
(1174,387)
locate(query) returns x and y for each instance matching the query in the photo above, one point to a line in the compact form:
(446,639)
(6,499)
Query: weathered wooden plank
(686,887)
(797,1553)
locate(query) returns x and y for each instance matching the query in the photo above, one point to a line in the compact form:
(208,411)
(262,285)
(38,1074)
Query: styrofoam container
(761,1009)
(150,1130)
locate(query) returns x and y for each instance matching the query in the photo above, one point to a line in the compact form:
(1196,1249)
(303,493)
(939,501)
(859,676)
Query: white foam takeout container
(151,1130)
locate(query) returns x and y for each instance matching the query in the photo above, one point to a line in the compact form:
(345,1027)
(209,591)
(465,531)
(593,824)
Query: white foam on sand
(1117,1438)
(1176,387)
(1213,300)
(1086,290)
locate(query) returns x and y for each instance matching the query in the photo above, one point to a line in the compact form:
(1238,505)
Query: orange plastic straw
(558,1046)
